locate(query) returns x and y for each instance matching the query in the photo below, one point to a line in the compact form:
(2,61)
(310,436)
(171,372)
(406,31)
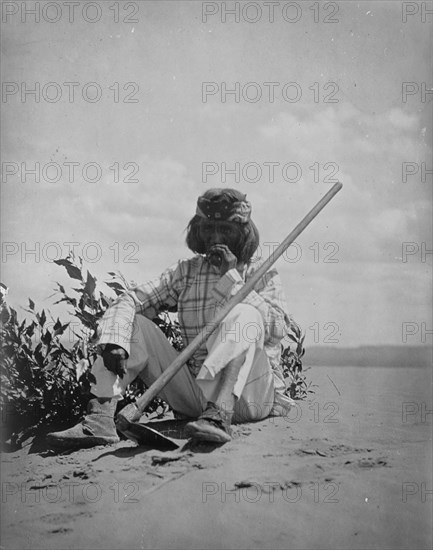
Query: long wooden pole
(132,413)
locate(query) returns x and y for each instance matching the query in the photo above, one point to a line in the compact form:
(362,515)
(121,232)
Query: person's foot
(213,425)
(97,428)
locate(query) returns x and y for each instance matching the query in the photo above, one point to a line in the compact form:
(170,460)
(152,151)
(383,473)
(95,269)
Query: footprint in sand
(59,518)
(61,530)
(368,462)
(319,448)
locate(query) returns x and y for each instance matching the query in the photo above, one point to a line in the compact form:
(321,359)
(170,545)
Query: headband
(223,207)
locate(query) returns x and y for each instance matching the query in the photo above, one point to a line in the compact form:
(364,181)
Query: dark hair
(244,250)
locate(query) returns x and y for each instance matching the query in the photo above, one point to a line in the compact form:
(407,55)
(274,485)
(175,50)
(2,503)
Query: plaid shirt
(195,288)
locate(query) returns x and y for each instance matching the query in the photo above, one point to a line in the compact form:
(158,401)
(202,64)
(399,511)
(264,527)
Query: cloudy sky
(132,119)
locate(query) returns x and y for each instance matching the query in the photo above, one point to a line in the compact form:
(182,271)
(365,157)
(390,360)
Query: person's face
(220,232)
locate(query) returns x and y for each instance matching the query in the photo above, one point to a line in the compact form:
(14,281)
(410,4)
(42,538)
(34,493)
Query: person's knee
(245,311)
(142,329)
(245,323)
(142,322)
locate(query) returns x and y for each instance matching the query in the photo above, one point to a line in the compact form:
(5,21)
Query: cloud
(375,212)
(149,217)
(365,302)
(171,132)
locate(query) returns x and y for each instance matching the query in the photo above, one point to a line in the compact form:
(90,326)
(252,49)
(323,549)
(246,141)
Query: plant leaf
(41,318)
(90,284)
(118,289)
(73,271)
(81,368)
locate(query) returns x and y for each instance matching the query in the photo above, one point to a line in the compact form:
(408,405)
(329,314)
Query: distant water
(370,356)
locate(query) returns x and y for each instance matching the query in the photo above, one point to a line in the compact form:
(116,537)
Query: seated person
(235,376)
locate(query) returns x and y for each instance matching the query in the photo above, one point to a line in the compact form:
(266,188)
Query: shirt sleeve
(116,325)
(268,298)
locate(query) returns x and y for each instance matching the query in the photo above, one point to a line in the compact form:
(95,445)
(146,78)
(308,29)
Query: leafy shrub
(38,379)
(43,382)
(291,360)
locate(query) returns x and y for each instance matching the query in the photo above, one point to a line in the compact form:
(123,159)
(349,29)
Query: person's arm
(115,327)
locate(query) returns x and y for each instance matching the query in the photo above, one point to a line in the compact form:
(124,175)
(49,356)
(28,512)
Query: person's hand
(221,256)
(114,358)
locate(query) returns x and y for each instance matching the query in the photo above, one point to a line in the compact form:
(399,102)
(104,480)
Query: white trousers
(241,331)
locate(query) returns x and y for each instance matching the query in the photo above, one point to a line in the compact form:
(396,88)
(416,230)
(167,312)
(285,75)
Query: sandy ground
(350,469)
